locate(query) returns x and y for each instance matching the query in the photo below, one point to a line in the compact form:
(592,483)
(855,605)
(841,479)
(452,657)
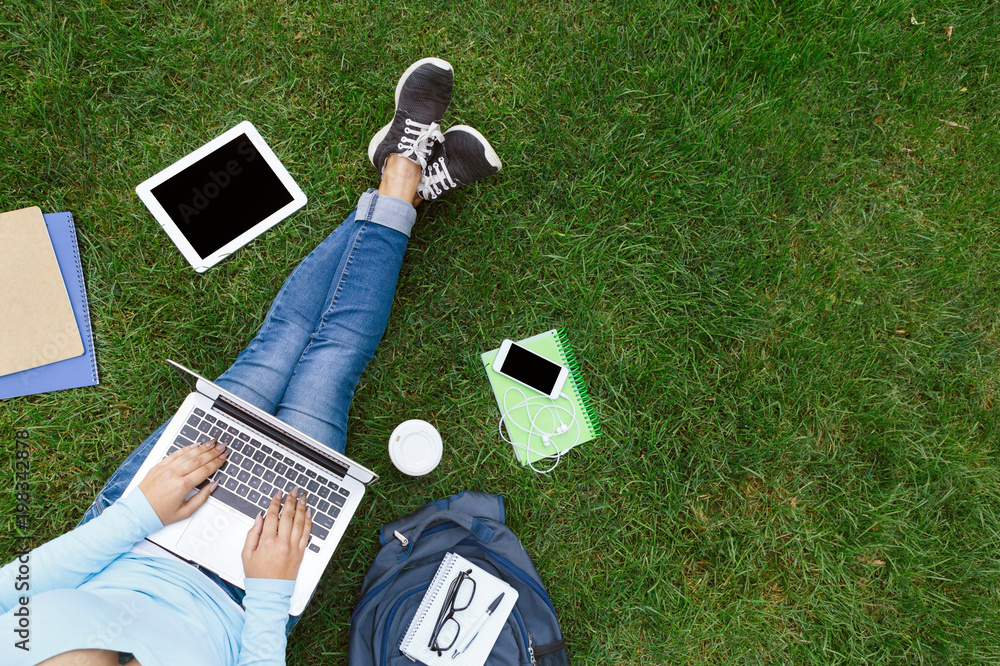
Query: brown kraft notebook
(37,326)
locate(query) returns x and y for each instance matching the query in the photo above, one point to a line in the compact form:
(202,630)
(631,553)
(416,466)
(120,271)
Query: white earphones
(534,407)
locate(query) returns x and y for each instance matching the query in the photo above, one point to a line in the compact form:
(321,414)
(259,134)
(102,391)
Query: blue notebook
(72,372)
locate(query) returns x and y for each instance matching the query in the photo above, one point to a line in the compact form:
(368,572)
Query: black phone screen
(529,368)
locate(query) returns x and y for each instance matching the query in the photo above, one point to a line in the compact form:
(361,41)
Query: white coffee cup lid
(415,447)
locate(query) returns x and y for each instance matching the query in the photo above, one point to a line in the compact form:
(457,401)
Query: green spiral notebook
(554,346)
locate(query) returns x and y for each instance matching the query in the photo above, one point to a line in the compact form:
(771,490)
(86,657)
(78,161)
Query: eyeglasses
(446,629)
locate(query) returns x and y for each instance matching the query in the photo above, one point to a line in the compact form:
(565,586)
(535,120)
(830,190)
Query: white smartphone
(533,370)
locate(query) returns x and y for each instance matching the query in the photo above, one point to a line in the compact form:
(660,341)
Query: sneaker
(422,95)
(464,157)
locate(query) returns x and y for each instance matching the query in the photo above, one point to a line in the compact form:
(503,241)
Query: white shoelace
(436,179)
(418,139)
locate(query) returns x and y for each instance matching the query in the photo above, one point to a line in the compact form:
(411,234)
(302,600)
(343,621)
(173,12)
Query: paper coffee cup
(415,447)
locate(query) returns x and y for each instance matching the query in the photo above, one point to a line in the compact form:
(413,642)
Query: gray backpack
(472,525)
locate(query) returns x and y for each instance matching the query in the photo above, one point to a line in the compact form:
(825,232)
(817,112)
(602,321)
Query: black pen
(477,626)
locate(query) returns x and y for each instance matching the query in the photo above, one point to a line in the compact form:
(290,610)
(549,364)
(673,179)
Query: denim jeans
(317,338)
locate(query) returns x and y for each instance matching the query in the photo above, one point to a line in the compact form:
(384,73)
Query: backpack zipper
(507,564)
(378,588)
(392,615)
(525,636)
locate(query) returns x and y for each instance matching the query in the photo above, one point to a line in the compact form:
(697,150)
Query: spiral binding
(85,330)
(586,406)
(430,596)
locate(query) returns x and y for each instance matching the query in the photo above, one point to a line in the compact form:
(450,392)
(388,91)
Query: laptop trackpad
(215,538)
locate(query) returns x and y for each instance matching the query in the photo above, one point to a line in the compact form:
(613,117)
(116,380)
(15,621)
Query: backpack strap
(471,502)
(477,527)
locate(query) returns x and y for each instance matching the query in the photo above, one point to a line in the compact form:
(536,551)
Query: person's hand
(274,545)
(169,482)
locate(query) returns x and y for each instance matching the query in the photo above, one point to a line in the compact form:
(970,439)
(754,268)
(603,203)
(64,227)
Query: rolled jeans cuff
(386,211)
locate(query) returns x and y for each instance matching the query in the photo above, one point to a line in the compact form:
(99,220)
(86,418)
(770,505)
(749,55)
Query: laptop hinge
(233,410)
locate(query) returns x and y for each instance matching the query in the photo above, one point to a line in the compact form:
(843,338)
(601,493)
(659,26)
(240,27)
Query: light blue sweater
(85,590)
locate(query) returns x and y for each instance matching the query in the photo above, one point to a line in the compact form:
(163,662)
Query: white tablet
(220,197)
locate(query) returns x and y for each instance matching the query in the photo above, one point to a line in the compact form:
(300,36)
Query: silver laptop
(265,455)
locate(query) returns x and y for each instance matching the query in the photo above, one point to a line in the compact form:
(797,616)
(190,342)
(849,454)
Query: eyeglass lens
(459,599)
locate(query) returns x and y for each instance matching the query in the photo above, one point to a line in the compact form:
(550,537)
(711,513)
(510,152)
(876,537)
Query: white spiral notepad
(488,588)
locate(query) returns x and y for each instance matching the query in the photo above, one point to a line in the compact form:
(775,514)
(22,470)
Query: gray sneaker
(422,95)
(463,157)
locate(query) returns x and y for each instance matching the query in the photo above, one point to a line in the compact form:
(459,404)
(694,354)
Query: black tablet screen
(222,195)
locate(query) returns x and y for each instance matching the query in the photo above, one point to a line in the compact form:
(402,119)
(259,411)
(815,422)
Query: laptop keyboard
(254,470)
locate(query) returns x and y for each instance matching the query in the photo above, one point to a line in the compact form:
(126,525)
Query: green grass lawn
(769,228)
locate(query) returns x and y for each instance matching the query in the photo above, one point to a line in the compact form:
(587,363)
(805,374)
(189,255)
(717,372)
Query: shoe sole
(491,155)
(377,139)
